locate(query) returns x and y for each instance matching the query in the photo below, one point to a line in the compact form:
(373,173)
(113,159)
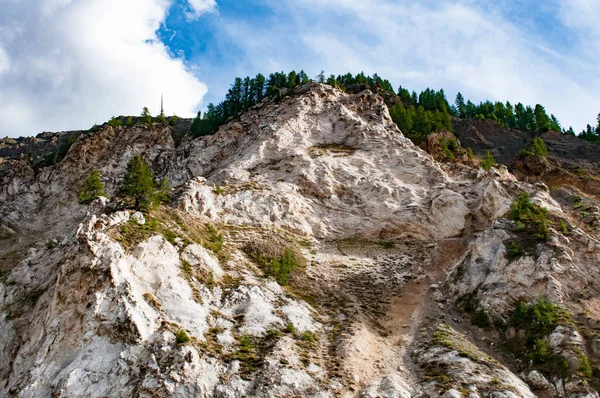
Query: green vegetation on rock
(92,188)
(139,186)
(532,216)
(488,161)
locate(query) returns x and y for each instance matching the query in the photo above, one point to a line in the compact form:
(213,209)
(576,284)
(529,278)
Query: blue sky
(67,64)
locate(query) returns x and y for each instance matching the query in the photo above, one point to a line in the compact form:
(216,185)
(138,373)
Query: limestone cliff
(407,280)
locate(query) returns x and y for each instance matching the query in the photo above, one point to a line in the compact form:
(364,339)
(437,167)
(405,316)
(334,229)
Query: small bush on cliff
(488,161)
(139,186)
(182,337)
(539,147)
(92,188)
(115,122)
(524,211)
(538,319)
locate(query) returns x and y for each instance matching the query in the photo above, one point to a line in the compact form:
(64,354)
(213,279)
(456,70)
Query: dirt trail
(407,311)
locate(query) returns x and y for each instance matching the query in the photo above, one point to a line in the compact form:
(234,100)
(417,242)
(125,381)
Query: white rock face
(392,240)
(302,165)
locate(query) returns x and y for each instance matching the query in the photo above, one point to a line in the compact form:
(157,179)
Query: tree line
(417,115)
(243,94)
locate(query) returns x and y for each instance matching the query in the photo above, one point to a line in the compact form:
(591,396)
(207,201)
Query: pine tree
(259,85)
(292,79)
(321,77)
(542,121)
(554,124)
(460,105)
(413,98)
(470,110)
(510,115)
(520,117)
(146,116)
(421,122)
(138,183)
(401,117)
(92,188)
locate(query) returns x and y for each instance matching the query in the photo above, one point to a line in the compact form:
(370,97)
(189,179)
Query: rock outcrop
(406,280)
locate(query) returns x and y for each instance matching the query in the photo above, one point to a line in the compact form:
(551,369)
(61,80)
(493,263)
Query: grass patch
(152,301)
(289,328)
(187,269)
(181,337)
(275,262)
(215,239)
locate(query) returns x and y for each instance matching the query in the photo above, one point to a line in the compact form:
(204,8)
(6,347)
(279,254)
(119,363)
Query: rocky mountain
(411,277)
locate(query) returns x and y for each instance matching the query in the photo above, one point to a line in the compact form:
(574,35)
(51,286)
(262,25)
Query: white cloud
(4,62)
(457,45)
(67,64)
(200,7)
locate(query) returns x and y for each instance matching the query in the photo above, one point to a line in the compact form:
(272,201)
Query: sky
(69,64)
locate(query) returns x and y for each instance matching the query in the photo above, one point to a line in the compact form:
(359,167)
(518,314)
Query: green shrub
(519,226)
(182,337)
(289,328)
(173,120)
(539,147)
(514,250)
(541,351)
(488,161)
(448,146)
(163,191)
(280,267)
(309,336)
(115,122)
(246,348)
(539,317)
(129,122)
(218,189)
(585,367)
(524,211)
(563,227)
(481,319)
(470,152)
(92,188)
(186,268)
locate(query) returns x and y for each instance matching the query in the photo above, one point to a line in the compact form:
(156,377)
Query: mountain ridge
(405,259)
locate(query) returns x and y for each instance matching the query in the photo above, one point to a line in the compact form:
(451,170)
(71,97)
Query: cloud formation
(200,7)
(67,64)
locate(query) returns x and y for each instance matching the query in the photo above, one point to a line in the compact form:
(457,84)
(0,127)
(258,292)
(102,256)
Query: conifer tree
(138,183)
(146,116)
(460,105)
(321,77)
(92,188)
(542,121)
